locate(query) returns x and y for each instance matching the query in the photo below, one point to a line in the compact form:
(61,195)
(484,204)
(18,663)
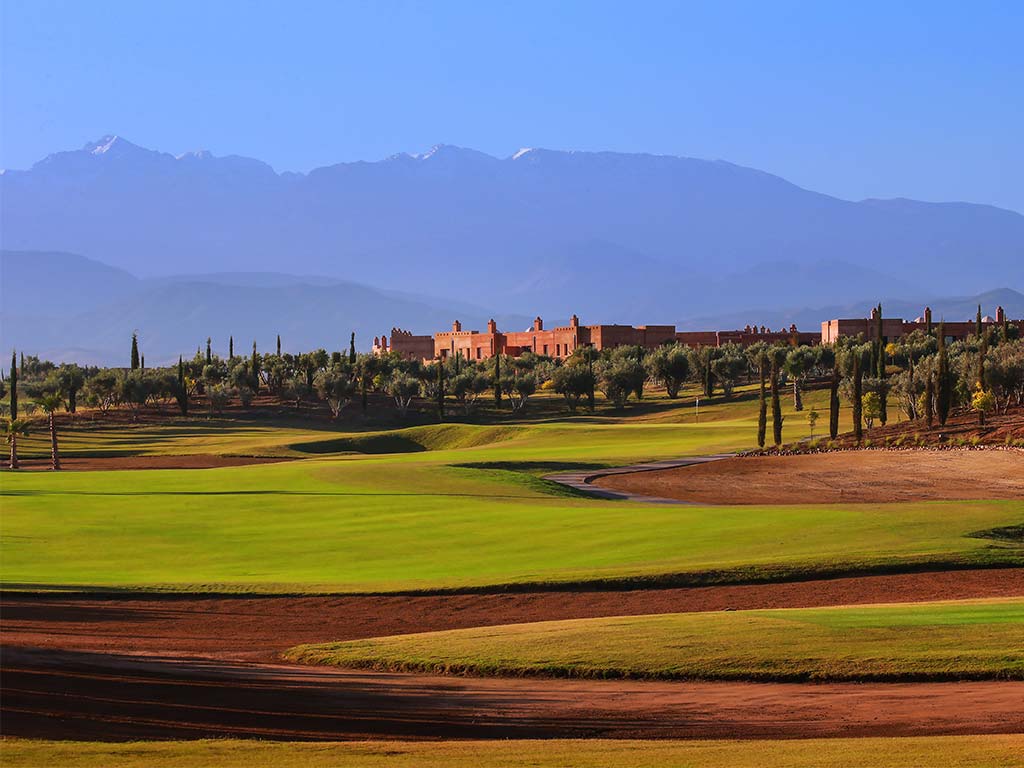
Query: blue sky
(915,99)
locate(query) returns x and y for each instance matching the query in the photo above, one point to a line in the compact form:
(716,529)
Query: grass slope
(953,640)
(465,508)
(909,752)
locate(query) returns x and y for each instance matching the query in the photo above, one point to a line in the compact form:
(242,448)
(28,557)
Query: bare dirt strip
(141,667)
(258,628)
(67,695)
(843,477)
(195,461)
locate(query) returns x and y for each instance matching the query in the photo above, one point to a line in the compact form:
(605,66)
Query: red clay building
(895,328)
(747,336)
(560,342)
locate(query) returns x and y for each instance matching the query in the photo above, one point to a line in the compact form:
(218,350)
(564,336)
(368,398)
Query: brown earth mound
(257,628)
(82,696)
(837,477)
(141,667)
(962,428)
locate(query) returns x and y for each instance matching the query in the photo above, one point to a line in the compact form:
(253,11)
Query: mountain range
(65,307)
(627,237)
(181,247)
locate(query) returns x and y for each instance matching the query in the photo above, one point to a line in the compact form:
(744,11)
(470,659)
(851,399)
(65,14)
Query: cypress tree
(209,351)
(497,379)
(14,386)
(928,320)
(858,404)
(762,402)
(883,393)
(943,395)
(982,353)
(877,362)
(142,362)
(977,323)
(279,345)
(351,348)
(135,351)
(182,388)
(929,397)
(1005,328)
(440,389)
(231,348)
(590,370)
(833,400)
(255,369)
(21,368)
(776,405)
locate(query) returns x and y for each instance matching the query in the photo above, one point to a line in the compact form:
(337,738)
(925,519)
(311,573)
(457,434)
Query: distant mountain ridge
(949,308)
(68,308)
(629,237)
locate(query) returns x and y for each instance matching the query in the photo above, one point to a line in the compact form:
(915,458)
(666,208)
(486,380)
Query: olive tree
(403,388)
(337,386)
(573,382)
(669,364)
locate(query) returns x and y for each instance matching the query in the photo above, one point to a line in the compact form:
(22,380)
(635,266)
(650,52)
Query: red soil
(960,427)
(257,628)
(137,667)
(837,477)
(67,695)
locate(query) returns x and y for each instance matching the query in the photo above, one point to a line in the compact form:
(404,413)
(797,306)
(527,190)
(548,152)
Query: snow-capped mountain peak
(102,146)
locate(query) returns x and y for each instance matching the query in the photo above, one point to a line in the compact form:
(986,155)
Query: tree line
(927,377)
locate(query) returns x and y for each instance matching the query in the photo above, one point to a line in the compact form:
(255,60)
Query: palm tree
(50,403)
(12,428)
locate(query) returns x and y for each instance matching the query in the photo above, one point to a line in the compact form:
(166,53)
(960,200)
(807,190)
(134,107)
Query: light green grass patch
(956,640)
(470,512)
(995,751)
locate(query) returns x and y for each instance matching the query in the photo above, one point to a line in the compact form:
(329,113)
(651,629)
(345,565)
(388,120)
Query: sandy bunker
(841,477)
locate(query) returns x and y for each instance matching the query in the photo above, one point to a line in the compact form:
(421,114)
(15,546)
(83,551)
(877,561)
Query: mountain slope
(174,315)
(951,308)
(541,231)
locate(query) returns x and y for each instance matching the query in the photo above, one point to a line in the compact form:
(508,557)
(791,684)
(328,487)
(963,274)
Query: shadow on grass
(267,492)
(529,474)
(368,444)
(1013,534)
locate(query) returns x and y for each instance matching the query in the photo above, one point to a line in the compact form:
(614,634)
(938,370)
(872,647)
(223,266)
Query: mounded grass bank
(435,437)
(997,751)
(955,640)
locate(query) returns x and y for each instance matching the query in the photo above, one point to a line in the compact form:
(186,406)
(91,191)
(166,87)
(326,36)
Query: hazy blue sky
(857,99)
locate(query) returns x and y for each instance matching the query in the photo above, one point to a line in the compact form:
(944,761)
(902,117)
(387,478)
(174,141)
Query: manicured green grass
(465,508)
(999,751)
(956,640)
(196,436)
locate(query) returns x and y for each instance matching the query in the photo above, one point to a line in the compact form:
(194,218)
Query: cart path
(583,481)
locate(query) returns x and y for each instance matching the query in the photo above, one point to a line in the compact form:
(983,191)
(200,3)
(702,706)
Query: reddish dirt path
(126,668)
(833,478)
(257,628)
(65,695)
